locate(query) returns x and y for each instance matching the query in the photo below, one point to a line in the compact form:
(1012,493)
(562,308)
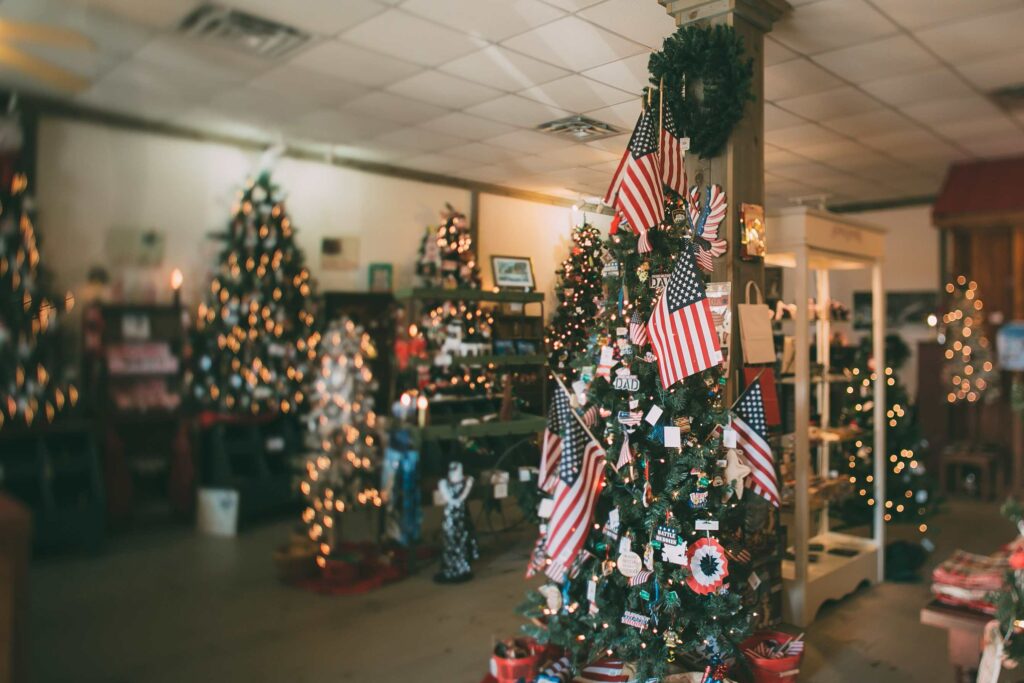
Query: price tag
(546,507)
(653,415)
(707,525)
(500,491)
(525,474)
(625,545)
(729,437)
(592,590)
(672,437)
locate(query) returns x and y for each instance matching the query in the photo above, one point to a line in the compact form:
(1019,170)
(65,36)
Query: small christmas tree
(343,472)
(254,338)
(908,488)
(969,368)
(453,327)
(578,291)
(31,390)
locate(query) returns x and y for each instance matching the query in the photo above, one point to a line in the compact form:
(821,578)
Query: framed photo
(901,308)
(513,271)
(380,277)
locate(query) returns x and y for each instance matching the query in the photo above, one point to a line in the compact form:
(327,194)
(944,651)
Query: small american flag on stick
(751,435)
(673,154)
(636,190)
(638,329)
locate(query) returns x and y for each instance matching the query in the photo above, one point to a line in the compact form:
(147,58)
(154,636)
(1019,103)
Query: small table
(965,627)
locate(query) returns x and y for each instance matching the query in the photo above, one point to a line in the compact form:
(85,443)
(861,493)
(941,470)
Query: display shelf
(523,424)
(440,293)
(489,359)
(806,240)
(831,379)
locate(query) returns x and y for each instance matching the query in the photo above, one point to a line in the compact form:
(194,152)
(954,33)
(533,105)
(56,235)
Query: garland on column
(579,291)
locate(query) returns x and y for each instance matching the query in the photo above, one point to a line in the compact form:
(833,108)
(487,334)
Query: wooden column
(739,169)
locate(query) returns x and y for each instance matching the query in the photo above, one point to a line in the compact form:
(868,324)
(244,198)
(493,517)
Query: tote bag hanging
(756,328)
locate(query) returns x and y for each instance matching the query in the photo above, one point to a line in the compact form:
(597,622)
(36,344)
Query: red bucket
(508,670)
(781,670)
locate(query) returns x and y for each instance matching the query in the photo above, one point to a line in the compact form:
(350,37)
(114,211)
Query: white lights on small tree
(343,468)
(969,371)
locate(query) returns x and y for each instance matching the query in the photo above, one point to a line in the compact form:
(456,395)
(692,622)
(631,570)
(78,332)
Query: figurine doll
(460,546)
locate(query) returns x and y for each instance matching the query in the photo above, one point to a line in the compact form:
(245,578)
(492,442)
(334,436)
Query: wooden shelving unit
(807,240)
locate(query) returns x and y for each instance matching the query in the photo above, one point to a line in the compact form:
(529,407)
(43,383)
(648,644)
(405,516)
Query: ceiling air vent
(579,129)
(1010,98)
(241,30)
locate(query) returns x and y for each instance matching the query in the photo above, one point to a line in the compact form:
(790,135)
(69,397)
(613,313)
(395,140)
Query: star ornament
(736,470)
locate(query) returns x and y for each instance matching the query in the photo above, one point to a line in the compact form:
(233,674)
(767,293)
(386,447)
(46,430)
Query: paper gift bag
(756,328)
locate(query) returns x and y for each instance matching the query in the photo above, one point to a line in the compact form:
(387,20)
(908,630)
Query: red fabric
(981,187)
(769,393)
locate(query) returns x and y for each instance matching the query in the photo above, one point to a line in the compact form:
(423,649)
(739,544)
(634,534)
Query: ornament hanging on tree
(704,223)
(708,566)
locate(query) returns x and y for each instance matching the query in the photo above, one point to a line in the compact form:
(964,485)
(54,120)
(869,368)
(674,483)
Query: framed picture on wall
(901,308)
(513,271)
(380,277)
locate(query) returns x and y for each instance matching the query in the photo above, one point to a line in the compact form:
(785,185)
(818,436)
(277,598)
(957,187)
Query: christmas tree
(31,390)
(578,291)
(343,472)
(660,565)
(453,327)
(1010,602)
(254,337)
(969,368)
(908,488)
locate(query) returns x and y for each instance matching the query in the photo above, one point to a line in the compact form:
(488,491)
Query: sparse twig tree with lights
(31,390)
(343,470)
(254,336)
(969,370)
(578,290)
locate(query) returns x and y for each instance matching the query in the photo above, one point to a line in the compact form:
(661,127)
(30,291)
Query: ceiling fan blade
(42,70)
(40,33)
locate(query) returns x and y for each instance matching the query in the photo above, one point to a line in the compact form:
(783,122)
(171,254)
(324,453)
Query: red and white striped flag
(638,329)
(681,328)
(636,190)
(752,436)
(558,671)
(579,481)
(673,154)
(605,671)
(551,449)
(705,221)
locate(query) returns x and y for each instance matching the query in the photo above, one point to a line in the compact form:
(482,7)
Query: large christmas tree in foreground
(578,291)
(254,338)
(30,388)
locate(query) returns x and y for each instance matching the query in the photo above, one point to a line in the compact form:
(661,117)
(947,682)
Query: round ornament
(708,566)
(629,564)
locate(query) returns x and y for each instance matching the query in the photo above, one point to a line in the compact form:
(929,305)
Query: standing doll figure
(459,536)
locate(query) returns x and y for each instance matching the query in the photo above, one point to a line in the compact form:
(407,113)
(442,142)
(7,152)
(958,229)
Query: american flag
(751,436)
(673,155)
(638,329)
(681,328)
(559,671)
(705,221)
(605,671)
(636,190)
(580,476)
(551,448)
(640,579)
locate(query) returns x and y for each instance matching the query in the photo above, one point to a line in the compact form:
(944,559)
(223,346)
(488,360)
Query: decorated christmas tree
(453,327)
(1010,601)
(254,339)
(656,565)
(969,368)
(909,489)
(343,471)
(579,291)
(31,390)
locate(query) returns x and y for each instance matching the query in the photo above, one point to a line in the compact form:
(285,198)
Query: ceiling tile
(776,157)
(628,74)
(996,147)
(332,125)
(573,44)
(412,138)
(877,59)
(917,87)
(254,103)
(434,163)
(579,155)
(988,127)
(491,20)
(834,153)
(110,33)
(775,118)
(534,164)
(794,78)
(319,17)
(615,144)
(995,72)
(443,90)
(466,126)
(899,143)
(132,89)
(977,37)
(529,142)
(776,53)
(830,24)
(137,80)
(205,120)
(389,107)
(572,5)
(916,14)
(795,137)
(623,115)
(518,111)
(577,94)
(159,14)
(645,22)
(291,80)
(365,152)
(408,37)
(951,109)
(355,64)
(490,173)
(502,68)
(829,104)
(874,122)
(480,153)
(200,60)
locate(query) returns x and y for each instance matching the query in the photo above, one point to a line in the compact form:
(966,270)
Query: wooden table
(965,629)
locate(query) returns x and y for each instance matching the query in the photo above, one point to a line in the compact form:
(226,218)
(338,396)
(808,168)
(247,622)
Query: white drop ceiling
(867,100)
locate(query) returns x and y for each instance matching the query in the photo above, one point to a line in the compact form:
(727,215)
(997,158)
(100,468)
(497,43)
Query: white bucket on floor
(217,512)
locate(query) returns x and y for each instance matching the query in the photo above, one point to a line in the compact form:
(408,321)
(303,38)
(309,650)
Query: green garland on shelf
(711,59)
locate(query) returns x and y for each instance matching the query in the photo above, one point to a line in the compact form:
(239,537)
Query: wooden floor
(171,606)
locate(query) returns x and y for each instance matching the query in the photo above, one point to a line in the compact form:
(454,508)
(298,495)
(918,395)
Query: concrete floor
(170,606)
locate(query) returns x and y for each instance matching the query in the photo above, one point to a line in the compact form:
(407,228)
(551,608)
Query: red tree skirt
(362,567)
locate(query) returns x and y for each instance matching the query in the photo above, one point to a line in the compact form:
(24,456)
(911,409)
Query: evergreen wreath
(712,57)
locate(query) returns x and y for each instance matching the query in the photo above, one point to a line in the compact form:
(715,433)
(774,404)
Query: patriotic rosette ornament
(708,566)
(704,222)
